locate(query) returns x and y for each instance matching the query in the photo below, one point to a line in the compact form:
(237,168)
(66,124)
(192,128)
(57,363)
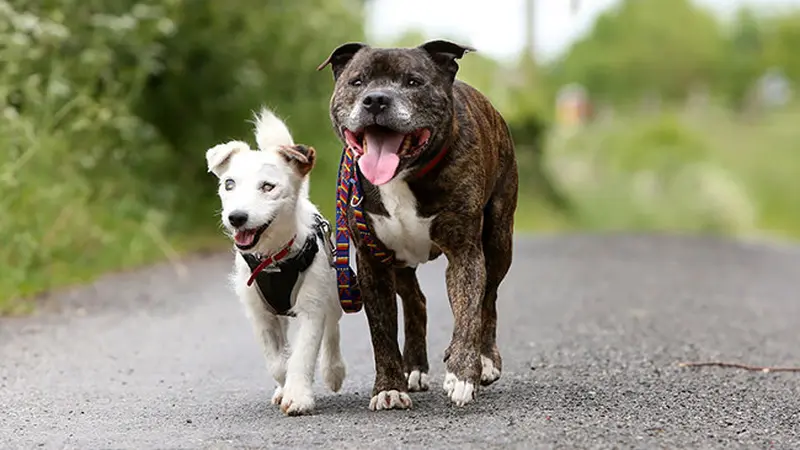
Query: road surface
(591,330)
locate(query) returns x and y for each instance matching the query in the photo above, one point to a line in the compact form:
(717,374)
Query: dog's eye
(266,187)
(229,184)
(414,82)
(355,82)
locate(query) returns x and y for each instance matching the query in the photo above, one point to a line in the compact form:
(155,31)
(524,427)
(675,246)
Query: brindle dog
(401,109)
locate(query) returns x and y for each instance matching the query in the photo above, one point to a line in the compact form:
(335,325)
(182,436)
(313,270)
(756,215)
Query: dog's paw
(390,400)
(460,392)
(417,381)
(333,374)
(297,401)
(489,373)
(277,396)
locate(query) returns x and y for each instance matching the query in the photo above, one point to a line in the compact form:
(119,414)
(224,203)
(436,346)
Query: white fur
(489,373)
(460,392)
(314,299)
(417,381)
(403,231)
(271,132)
(390,400)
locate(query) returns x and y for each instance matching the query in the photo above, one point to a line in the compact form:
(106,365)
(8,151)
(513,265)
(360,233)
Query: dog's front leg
(459,238)
(298,397)
(271,333)
(377,283)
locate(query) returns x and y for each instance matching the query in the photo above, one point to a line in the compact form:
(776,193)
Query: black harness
(276,282)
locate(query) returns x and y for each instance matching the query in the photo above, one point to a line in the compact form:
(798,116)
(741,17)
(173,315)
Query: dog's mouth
(247,238)
(380,150)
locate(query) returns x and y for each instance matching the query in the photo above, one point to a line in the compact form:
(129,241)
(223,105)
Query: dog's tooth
(364,145)
(406,143)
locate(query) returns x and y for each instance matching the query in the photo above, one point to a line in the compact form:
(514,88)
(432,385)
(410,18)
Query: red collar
(270,260)
(432,163)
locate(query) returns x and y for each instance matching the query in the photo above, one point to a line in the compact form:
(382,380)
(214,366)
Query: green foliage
(228,58)
(668,47)
(653,46)
(70,139)
(781,36)
(744,58)
(708,174)
(108,108)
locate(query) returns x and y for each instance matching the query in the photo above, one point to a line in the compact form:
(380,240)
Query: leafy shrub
(651,174)
(107,109)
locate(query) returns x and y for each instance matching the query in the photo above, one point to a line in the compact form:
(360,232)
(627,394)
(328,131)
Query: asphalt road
(591,330)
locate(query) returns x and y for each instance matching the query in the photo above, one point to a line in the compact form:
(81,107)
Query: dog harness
(275,276)
(349,195)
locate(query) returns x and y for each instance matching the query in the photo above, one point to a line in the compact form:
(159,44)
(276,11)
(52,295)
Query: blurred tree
(743,61)
(641,47)
(781,42)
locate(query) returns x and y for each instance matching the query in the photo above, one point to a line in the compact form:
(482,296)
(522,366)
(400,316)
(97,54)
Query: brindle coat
(471,194)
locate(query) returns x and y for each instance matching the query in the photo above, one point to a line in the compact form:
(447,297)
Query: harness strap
(268,261)
(275,276)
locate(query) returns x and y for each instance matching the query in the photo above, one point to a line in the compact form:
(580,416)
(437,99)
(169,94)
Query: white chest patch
(403,231)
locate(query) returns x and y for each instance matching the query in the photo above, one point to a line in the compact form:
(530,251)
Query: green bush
(108,107)
(650,174)
(228,58)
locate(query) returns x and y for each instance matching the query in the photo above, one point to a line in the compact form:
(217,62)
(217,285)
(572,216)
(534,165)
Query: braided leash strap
(348,195)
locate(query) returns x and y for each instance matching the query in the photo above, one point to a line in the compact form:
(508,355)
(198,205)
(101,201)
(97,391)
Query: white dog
(284,249)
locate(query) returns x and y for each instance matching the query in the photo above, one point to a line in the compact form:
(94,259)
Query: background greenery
(108,106)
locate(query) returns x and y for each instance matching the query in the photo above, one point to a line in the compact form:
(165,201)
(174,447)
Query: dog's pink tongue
(245,237)
(380,161)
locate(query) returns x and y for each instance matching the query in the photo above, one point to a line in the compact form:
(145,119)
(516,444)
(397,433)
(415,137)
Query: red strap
(432,163)
(269,260)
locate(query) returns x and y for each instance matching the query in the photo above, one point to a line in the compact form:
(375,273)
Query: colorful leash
(348,195)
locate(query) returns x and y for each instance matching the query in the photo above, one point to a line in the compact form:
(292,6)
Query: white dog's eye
(229,184)
(266,187)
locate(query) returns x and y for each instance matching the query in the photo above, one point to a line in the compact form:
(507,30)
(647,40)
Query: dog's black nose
(237,218)
(376,102)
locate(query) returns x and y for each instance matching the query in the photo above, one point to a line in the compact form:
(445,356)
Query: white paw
(297,401)
(390,400)
(417,381)
(277,396)
(460,392)
(333,374)
(489,373)
(449,383)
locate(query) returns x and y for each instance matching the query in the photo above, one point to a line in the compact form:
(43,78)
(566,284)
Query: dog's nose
(376,102)
(237,218)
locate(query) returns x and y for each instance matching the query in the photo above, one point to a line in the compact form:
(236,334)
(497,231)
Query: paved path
(591,329)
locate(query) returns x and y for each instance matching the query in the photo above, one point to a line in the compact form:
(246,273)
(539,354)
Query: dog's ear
(341,56)
(219,156)
(300,157)
(445,53)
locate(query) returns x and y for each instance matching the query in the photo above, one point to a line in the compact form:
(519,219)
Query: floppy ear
(445,53)
(300,157)
(219,156)
(341,56)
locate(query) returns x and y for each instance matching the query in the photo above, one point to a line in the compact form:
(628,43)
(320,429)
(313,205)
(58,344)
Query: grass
(684,172)
(678,172)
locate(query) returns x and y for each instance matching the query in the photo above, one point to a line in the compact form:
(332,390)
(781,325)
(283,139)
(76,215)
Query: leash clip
(327,231)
